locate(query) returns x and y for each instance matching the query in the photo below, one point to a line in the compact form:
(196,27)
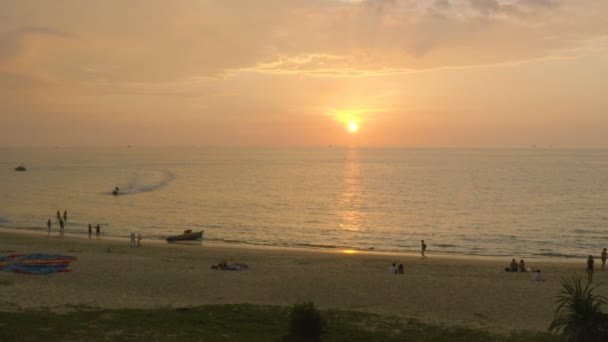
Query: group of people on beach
(61,220)
(515,267)
(590,264)
(537,276)
(394,269)
(97,231)
(135,242)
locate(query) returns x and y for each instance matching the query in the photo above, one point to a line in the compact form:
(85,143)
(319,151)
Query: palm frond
(578,316)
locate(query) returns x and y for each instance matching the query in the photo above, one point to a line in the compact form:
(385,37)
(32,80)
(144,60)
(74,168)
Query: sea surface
(521,203)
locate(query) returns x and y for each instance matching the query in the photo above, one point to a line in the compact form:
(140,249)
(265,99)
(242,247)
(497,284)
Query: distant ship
(20,168)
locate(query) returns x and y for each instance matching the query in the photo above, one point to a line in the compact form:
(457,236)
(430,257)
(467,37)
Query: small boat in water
(188,235)
(20,168)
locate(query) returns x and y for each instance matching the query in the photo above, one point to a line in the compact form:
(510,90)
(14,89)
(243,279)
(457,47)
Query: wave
(587,231)
(558,255)
(289,245)
(313,245)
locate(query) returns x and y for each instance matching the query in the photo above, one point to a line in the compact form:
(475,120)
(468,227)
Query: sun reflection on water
(351,199)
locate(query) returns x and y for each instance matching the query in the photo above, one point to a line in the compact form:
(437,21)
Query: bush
(306,320)
(578,316)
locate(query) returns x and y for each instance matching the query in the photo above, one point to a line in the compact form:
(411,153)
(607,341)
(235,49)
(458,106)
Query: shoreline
(441,256)
(110,274)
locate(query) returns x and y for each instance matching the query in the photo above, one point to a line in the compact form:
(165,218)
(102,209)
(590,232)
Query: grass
(228,323)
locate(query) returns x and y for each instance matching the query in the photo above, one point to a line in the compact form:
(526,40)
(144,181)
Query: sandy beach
(110,274)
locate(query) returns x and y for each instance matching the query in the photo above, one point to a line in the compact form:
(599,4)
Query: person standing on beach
(58,215)
(590,269)
(138,240)
(61,227)
(90,230)
(65,215)
(132,239)
(48,226)
(604,258)
(422,249)
(97,231)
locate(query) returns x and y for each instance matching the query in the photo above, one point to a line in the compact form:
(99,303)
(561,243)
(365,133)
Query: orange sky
(296,73)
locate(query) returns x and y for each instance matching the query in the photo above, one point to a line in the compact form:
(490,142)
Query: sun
(353,127)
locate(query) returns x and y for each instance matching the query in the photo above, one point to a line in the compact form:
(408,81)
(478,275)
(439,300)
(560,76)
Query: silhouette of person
(422,249)
(590,269)
(65,215)
(58,215)
(138,240)
(604,258)
(90,230)
(97,230)
(61,227)
(522,266)
(48,225)
(538,276)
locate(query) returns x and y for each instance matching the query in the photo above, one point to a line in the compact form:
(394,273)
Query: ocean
(516,203)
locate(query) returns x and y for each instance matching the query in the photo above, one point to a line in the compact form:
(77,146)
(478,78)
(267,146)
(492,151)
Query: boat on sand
(188,235)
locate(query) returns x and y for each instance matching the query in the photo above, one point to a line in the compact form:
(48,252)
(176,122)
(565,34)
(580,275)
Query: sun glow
(350,118)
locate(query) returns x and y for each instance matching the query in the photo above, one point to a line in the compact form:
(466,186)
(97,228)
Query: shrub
(578,316)
(306,320)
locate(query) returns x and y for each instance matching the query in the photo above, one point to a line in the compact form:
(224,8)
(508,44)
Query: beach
(110,274)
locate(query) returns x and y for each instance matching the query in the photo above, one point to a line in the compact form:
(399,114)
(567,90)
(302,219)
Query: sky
(435,73)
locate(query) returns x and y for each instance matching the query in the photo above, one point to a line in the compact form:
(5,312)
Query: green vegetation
(227,323)
(578,316)
(305,320)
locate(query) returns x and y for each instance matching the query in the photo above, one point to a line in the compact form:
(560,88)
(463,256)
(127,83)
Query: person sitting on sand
(220,265)
(223,265)
(235,267)
(522,266)
(512,267)
(400,269)
(393,268)
(538,276)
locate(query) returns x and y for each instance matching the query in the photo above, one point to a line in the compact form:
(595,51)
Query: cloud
(12,43)
(160,41)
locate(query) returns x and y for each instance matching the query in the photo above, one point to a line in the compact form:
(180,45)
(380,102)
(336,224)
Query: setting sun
(353,127)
